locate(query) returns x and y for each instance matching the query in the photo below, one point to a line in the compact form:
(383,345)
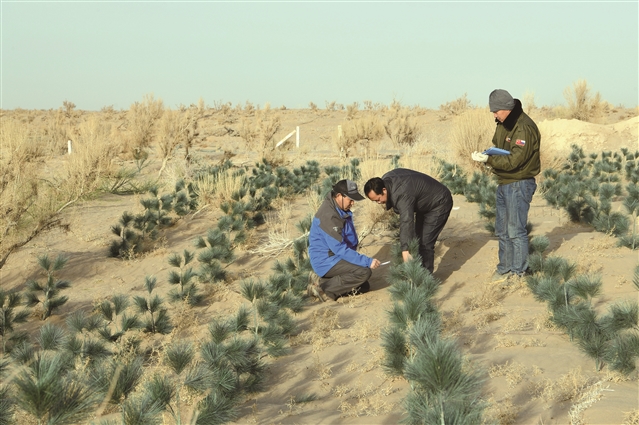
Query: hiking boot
(498,277)
(313,289)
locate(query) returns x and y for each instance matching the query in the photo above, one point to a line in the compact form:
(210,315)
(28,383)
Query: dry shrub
(587,399)
(401,127)
(581,104)
(472,131)
(18,144)
(177,128)
(141,120)
(455,107)
(258,133)
(352,110)
(56,132)
(568,387)
(413,161)
(24,198)
(92,159)
(364,131)
(528,102)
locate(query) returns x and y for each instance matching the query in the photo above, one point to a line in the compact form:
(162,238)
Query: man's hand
(479,157)
(375,263)
(406,256)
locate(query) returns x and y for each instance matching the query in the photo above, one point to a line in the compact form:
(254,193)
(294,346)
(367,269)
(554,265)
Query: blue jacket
(333,238)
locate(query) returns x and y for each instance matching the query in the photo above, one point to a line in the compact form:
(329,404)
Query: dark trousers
(428,226)
(343,277)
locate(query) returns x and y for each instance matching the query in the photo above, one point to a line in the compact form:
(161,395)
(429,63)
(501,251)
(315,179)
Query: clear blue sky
(96,54)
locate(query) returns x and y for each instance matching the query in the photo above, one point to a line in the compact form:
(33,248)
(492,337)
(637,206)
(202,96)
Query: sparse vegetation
(582,104)
(117,351)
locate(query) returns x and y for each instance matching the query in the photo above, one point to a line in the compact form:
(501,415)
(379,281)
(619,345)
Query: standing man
(423,205)
(333,247)
(516,172)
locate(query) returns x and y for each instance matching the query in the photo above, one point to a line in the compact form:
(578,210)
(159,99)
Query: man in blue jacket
(338,268)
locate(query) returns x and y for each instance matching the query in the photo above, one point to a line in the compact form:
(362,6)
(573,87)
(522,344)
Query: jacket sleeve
(519,155)
(405,205)
(342,251)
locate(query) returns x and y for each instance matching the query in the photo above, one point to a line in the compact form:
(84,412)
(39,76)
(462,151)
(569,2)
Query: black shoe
(362,289)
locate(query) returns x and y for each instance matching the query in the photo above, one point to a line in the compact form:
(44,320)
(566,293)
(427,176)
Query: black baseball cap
(348,188)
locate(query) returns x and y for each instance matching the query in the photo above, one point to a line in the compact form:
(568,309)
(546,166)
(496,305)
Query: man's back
(412,187)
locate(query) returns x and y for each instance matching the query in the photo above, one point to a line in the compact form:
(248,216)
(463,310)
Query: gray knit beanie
(500,100)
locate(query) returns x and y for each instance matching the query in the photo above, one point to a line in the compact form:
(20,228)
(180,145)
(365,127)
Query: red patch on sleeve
(520,142)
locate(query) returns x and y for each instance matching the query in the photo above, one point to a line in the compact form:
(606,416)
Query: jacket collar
(341,212)
(511,119)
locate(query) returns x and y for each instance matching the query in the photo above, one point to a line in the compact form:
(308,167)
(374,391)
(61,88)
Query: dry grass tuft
(364,401)
(216,189)
(472,131)
(568,387)
(491,295)
(453,322)
(363,330)
(513,372)
(324,371)
(631,418)
(321,335)
(516,324)
(372,361)
(502,412)
(484,319)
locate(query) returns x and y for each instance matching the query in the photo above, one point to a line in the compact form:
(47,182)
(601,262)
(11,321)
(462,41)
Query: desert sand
(536,375)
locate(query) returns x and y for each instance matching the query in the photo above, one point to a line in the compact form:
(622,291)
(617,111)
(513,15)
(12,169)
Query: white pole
(297,138)
(339,132)
(69,147)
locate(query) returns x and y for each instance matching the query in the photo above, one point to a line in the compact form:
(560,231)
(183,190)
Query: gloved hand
(479,157)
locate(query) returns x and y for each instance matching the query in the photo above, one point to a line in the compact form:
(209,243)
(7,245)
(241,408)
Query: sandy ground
(536,374)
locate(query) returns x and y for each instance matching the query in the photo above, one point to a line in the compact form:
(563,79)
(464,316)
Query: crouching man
(338,269)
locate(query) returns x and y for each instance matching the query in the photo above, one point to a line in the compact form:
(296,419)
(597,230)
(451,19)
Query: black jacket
(409,192)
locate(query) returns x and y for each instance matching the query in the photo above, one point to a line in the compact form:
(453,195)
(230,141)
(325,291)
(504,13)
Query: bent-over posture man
(338,268)
(517,133)
(423,205)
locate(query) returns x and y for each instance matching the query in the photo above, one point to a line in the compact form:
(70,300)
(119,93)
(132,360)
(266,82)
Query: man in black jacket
(423,205)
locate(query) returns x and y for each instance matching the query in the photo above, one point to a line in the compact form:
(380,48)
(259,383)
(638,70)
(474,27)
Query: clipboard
(496,151)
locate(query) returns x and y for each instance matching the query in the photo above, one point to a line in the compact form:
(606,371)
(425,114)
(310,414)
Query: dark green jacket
(519,135)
